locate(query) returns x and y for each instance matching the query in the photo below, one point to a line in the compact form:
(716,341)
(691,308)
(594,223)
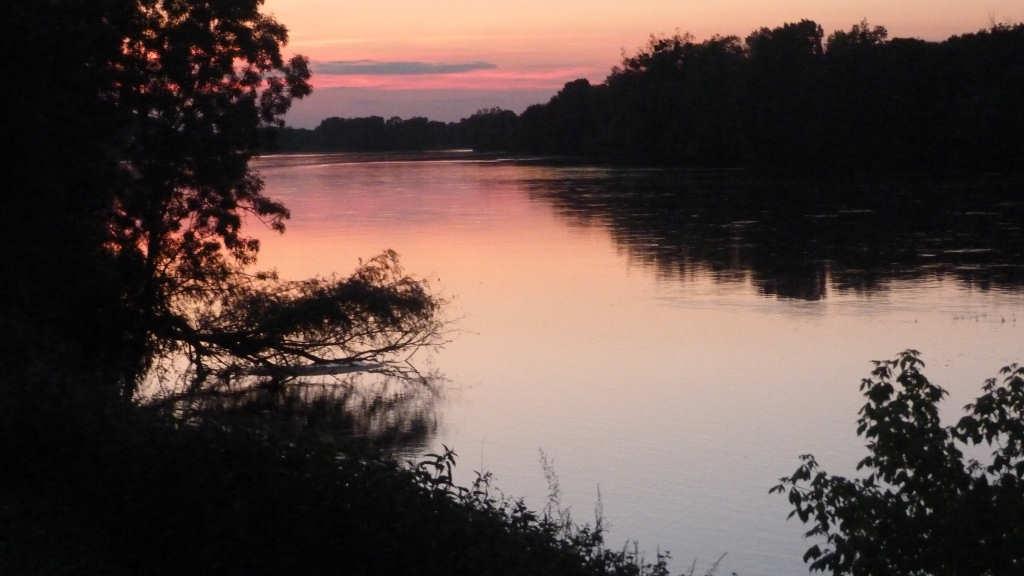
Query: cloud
(396,68)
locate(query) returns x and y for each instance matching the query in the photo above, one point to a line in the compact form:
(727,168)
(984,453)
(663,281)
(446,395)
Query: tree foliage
(921,506)
(372,320)
(136,181)
(783,98)
(486,129)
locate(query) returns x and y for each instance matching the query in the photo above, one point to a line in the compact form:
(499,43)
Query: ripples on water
(677,338)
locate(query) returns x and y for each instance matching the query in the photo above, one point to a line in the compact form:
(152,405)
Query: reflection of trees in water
(390,412)
(798,238)
(332,357)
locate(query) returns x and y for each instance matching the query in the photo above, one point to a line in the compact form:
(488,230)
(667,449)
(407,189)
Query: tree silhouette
(861,36)
(922,507)
(172,99)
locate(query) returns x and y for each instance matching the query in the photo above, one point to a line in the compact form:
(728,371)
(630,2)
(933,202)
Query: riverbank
(142,493)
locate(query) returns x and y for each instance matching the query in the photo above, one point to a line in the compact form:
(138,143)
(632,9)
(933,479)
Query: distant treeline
(783,97)
(488,129)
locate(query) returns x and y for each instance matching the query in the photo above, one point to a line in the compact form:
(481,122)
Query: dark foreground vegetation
(784,98)
(922,504)
(142,494)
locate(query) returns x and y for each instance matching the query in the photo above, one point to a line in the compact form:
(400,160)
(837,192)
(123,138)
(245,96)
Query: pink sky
(538,45)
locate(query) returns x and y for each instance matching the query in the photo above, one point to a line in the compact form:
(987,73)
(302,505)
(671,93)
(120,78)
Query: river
(671,339)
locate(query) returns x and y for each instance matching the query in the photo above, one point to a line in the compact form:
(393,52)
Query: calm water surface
(674,340)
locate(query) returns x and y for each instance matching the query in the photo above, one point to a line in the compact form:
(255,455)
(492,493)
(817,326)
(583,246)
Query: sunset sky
(445,59)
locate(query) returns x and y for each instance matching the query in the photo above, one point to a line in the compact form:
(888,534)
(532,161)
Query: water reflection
(395,414)
(618,319)
(800,239)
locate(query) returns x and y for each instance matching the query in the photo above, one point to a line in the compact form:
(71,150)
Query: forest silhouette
(784,98)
